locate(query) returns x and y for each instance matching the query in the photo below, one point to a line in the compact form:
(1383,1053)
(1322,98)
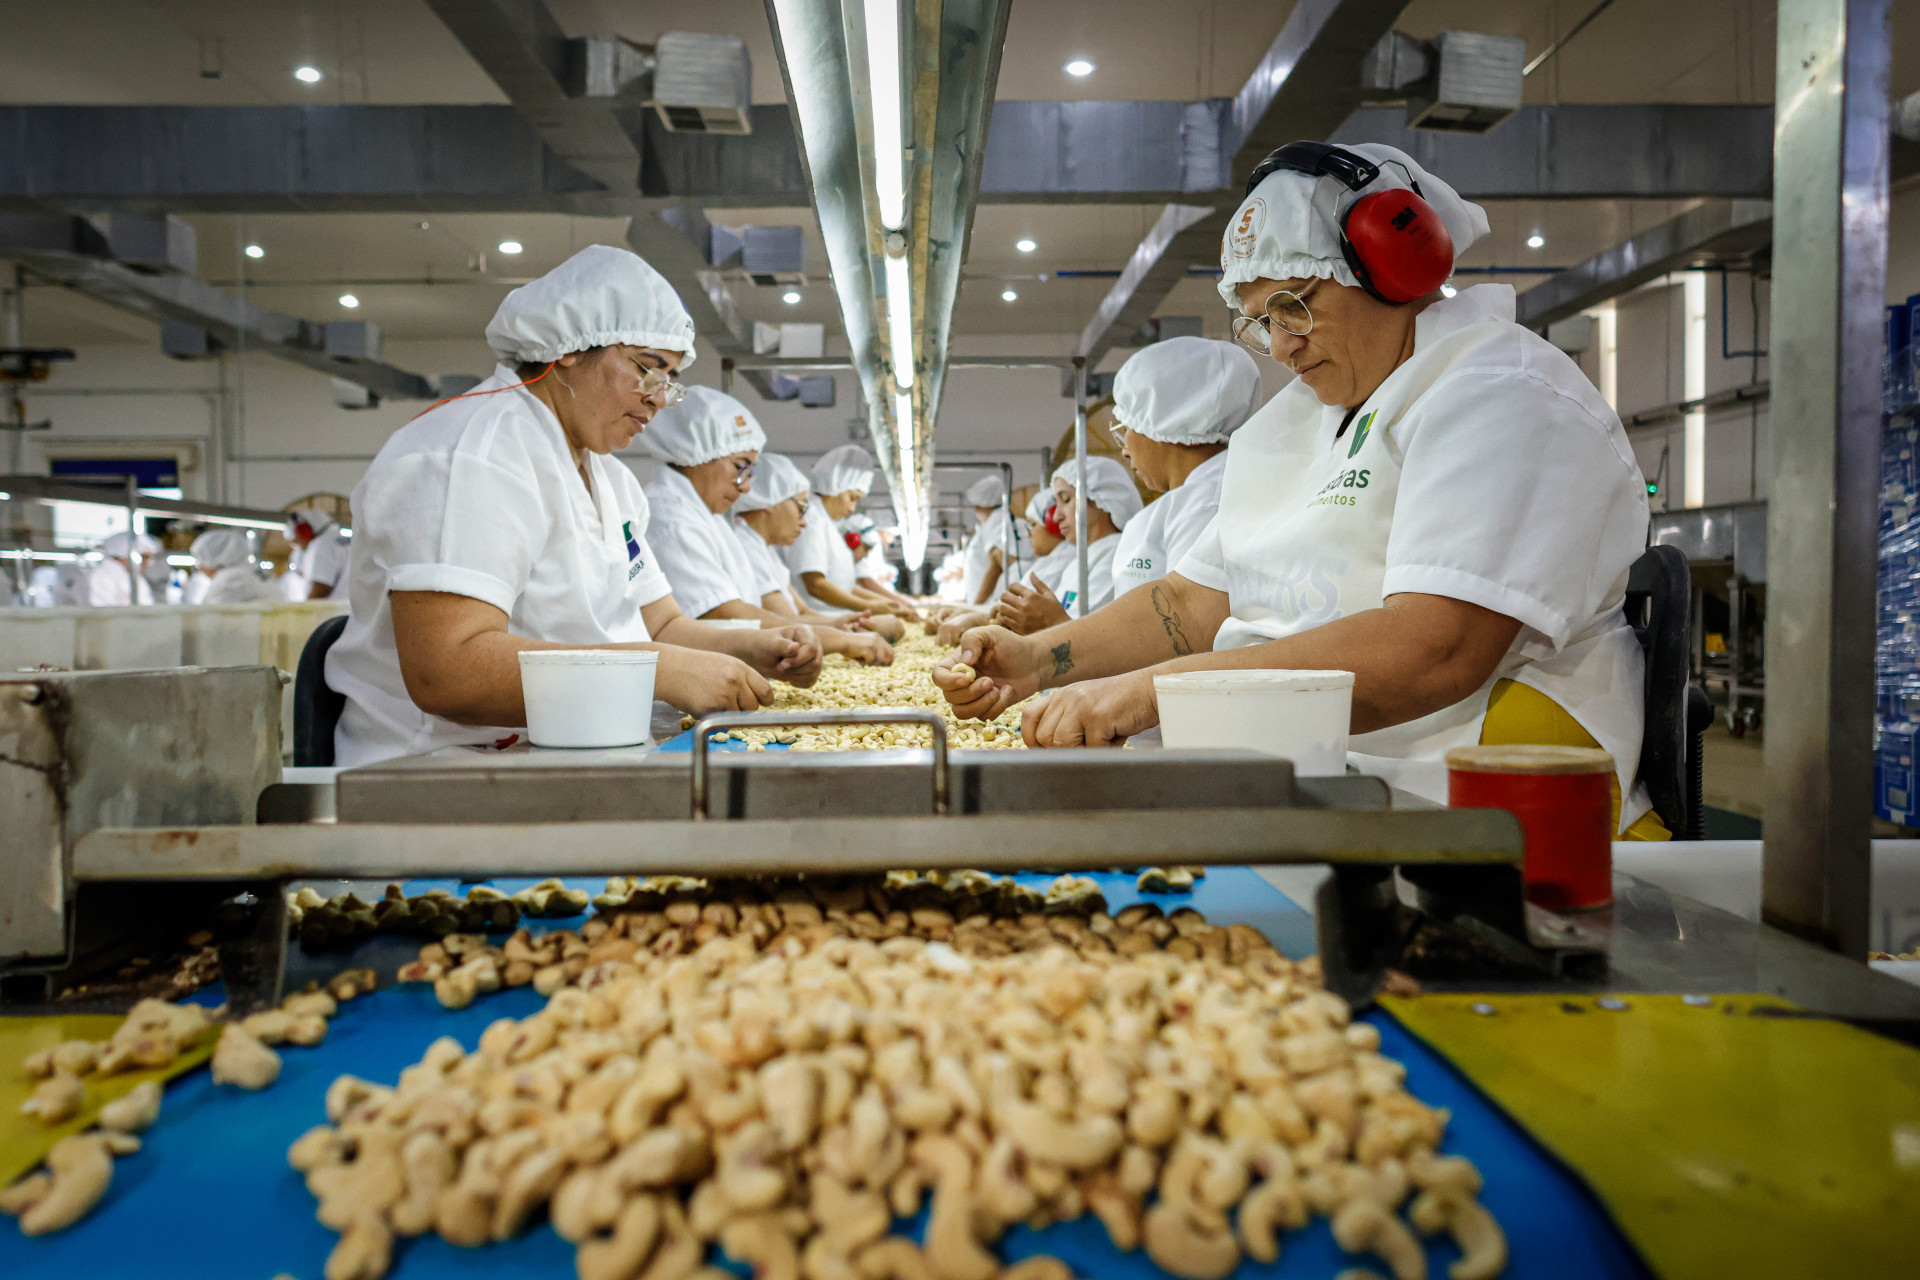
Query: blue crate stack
(1897,655)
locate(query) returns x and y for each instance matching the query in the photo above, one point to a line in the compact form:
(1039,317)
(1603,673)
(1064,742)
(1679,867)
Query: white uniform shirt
(1486,469)
(770,572)
(875,565)
(698,552)
(321,563)
(820,548)
(1054,567)
(480,497)
(988,534)
(111,583)
(234,584)
(1100,558)
(1163,531)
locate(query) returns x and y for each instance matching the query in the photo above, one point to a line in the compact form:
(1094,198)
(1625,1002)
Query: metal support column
(1080,479)
(133,541)
(726,375)
(1829,276)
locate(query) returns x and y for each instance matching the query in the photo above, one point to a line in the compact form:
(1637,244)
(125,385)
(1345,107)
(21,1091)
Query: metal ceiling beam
(67,251)
(1718,231)
(1305,86)
(483,159)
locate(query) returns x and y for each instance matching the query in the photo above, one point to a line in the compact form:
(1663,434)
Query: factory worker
(1113,504)
(874,572)
(708,445)
(1175,404)
(822,564)
(223,571)
(1440,503)
(1051,550)
(497,521)
(115,580)
(982,576)
(320,550)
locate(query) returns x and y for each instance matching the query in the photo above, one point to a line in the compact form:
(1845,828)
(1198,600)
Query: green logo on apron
(1360,434)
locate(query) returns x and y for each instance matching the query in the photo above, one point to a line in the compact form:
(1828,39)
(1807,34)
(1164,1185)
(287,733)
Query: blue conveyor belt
(210,1197)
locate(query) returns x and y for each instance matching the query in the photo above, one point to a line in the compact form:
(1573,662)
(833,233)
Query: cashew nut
(133,1111)
(242,1060)
(1039,1267)
(24,1194)
(429,1166)
(1181,1246)
(1365,1226)
(1483,1245)
(57,1098)
(81,1168)
(758,1241)
(895,1258)
(363,1252)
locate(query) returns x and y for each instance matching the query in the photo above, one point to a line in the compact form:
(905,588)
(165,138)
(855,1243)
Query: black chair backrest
(316,708)
(1659,608)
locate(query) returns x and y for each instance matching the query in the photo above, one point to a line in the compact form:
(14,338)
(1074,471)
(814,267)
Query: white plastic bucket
(733,624)
(588,697)
(1302,715)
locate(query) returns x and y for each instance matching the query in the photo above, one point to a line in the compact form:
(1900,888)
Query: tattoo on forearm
(1062,658)
(1170,619)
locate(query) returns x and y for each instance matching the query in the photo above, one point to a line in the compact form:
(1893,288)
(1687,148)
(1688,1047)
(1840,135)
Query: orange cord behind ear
(496,391)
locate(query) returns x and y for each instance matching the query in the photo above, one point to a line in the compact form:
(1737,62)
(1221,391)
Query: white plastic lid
(588,657)
(1254,681)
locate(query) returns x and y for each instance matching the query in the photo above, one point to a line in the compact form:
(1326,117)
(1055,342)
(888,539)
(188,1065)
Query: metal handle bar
(864,715)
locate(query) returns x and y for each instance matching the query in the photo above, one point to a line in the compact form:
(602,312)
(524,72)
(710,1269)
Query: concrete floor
(1735,782)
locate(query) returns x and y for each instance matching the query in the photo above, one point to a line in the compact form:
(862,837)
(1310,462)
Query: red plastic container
(1565,806)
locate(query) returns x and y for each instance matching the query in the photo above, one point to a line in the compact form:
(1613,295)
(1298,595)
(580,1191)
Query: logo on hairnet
(1246,228)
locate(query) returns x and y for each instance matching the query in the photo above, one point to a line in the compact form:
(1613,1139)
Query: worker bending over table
(823,565)
(224,571)
(496,521)
(1440,503)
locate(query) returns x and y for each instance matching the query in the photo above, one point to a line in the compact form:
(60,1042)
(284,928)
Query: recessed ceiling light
(307,75)
(1536,241)
(790,297)
(348,301)
(1025,246)
(1079,67)
(1008,295)
(509,246)
(1447,291)
(255,251)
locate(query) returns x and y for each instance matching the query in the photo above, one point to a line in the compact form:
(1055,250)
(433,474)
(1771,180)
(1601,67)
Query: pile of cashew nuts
(786,1068)
(907,683)
(79,1167)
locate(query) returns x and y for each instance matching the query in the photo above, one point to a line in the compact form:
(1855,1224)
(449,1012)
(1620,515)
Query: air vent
(1475,85)
(703,83)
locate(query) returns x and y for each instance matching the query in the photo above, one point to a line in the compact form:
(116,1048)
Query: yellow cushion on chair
(1519,714)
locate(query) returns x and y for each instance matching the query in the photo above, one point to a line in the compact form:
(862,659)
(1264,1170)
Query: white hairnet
(1038,507)
(860,525)
(122,546)
(599,297)
(775,479)
(313,517)
(1289,228)
(848,467)
(986,492)
(1187,390)
(1109,488)
(218,548)
(708,424)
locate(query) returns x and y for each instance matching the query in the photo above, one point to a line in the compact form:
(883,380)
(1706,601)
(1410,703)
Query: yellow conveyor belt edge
(1730,1137)
(24,1142)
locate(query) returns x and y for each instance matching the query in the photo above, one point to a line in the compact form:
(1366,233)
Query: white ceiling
(396,51)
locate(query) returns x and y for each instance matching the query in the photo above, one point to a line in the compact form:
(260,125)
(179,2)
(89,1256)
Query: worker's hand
(887,627)
(955,625)
(791,654)
(861,621)
(1093,713)
(866,648)
(1006,669)
(702,680)
(1026,609)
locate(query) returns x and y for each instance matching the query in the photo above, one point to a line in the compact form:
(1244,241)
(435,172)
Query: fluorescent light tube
(883,88)
(900,320)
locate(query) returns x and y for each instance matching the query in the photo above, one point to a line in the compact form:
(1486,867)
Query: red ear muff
(1398,245)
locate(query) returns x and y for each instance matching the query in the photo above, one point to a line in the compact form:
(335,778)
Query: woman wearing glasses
(1440,502)
(497,521)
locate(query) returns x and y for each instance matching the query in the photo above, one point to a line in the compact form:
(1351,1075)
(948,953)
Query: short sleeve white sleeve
(1204,563)
(458,523)
(810,552)
(1515,504)
(326,561)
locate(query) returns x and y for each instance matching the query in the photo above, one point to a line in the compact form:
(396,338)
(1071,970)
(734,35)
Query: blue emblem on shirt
(634,563)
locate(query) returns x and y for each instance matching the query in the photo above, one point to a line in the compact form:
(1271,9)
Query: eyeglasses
(743,471)
(659,382)
(1284,308)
